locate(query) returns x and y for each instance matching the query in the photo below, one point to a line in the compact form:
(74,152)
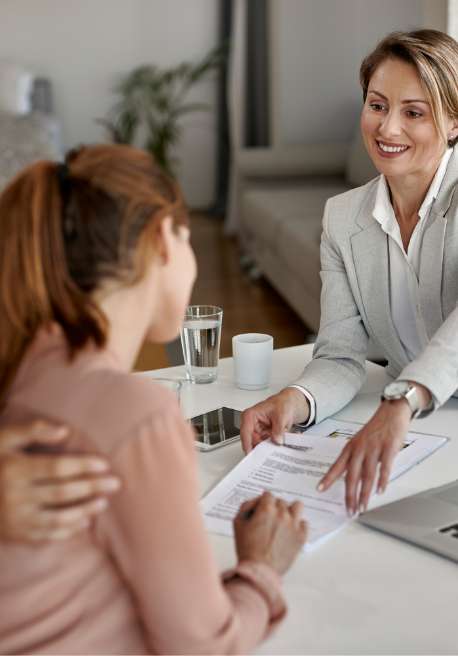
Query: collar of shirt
(383,210)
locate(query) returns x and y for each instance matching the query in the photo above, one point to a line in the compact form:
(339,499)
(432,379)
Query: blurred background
(252,105)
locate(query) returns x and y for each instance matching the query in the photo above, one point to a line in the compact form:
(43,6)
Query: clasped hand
(44,496)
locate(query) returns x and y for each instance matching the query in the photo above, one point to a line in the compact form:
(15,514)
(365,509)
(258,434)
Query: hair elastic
(63,175)
(64,180)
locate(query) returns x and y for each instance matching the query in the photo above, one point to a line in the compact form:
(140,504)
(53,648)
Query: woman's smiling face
(397,123)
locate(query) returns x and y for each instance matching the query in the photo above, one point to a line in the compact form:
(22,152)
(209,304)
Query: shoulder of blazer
(342,213)
(447,189)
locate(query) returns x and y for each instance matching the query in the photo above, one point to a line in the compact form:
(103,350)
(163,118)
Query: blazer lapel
(430,274)
(370,258)
(432,260)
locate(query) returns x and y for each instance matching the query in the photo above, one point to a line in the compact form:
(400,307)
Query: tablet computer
(216,428)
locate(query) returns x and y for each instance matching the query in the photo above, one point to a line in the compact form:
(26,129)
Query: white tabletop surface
(361,592)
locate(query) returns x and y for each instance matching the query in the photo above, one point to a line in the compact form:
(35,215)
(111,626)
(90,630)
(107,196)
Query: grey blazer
(355,299)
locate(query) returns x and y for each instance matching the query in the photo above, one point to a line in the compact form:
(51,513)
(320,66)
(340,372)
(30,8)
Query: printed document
(293,471)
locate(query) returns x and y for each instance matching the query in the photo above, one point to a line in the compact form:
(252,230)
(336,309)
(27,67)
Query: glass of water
(171,384)
(200,339)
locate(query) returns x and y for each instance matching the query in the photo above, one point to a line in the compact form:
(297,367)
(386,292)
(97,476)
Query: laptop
(428,519)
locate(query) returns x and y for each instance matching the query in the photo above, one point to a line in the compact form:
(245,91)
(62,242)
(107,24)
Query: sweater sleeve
(155,534)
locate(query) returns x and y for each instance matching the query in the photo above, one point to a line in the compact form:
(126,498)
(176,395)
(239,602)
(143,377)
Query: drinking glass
(171,384)
(200,339)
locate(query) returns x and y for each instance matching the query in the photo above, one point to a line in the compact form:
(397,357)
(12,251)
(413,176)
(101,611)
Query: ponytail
(64,228)
(35,286)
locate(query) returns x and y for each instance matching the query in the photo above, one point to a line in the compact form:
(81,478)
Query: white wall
(452,18)
(82,45)
(318,46)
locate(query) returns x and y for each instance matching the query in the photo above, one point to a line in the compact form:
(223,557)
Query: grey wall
(318,47)
(83,45)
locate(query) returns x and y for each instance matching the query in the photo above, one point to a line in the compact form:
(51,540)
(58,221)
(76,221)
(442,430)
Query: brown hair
(64,228)
(434,55)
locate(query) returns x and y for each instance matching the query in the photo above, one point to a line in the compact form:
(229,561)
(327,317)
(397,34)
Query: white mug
(252,354)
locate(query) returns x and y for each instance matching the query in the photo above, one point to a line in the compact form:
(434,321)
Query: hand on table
(269,530)
(48,497)
(273,417)
(370,454)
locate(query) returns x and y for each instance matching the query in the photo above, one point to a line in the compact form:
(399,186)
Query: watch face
(396,389)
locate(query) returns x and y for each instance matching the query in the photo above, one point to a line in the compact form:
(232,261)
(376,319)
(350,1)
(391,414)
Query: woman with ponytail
(94,259)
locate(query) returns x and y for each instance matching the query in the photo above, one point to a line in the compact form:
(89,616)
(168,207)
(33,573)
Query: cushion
(265,211)
(359,168)
(15,89)
(299,249)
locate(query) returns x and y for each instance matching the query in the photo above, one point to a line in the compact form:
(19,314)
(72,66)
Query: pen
(248,514)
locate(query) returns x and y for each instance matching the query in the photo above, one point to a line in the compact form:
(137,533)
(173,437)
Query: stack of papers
(293,471)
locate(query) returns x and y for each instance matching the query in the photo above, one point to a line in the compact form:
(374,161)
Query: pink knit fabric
(143,578)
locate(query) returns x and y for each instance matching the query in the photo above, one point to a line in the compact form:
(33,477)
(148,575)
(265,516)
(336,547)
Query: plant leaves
(155,98)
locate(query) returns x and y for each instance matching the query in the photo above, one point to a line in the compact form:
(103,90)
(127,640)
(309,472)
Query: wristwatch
(402,389)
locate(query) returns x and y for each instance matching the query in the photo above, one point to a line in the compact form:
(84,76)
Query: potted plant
(153,101)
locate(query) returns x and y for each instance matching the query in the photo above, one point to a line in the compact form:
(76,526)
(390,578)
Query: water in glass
(200,339)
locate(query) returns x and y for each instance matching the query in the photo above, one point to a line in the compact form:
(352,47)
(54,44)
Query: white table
(361,592)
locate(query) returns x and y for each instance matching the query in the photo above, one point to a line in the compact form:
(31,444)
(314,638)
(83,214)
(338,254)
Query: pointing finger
(335,471)
(247,429)
(368,479)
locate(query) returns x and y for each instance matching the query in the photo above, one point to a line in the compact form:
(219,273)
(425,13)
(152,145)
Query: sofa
(282,194)
(29,136)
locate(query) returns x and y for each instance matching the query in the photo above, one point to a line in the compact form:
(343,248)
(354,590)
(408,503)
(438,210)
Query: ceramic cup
(252,354)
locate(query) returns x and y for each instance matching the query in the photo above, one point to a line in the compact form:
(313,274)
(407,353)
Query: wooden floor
(249,306)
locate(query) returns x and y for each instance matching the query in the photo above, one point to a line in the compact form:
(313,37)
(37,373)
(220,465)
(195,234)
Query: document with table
(292,472)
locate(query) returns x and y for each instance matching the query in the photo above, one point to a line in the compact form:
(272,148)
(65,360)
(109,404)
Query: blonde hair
(434,55)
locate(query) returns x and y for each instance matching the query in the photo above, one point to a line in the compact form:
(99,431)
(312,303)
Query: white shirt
(404,266)
(403,269)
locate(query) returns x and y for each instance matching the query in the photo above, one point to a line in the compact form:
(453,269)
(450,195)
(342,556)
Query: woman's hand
(48,497)
(270,531)
(272,417)
(373,448)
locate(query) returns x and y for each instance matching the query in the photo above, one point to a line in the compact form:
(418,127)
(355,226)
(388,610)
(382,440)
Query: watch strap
(412,398)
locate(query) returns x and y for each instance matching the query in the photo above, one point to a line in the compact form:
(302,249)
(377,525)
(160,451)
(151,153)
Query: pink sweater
(143,578)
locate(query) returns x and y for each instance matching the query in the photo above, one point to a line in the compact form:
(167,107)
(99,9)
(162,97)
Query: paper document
(293,471)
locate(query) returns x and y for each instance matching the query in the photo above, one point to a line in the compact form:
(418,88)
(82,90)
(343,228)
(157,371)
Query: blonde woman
(389,260)
(95,258)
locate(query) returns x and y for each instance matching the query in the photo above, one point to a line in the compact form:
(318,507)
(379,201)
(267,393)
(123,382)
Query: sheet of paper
(417,446)
(293,471)
(288,473)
